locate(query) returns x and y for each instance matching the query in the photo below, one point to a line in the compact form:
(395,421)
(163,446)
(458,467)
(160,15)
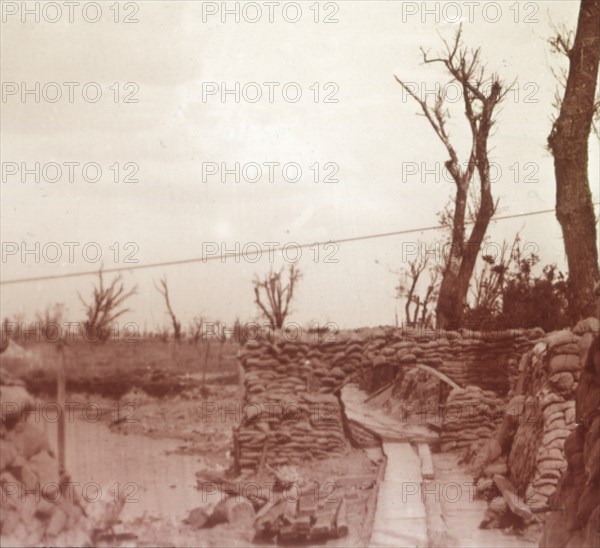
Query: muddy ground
(150,449)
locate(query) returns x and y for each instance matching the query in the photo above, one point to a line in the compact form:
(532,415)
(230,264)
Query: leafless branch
(104,307)
(276,294)
(163,289)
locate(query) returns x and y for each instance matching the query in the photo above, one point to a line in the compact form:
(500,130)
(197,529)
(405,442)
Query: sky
(163,118)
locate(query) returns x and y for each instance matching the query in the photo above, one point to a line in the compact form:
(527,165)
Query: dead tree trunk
(481,95)
(163,289)
(276,306)
(568,143)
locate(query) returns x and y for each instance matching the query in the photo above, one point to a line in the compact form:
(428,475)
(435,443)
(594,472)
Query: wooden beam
(426,461)
(439,375)
(514,502)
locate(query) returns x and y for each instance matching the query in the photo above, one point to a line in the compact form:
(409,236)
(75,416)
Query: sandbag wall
(284,422)
(575,519)
(485,359)
(290,413)
(470,415)
(547,387)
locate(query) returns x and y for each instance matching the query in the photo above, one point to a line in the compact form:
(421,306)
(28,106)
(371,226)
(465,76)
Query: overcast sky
(370,141)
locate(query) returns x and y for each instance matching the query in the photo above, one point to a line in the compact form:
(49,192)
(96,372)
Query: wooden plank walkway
(376,420)
(400,517)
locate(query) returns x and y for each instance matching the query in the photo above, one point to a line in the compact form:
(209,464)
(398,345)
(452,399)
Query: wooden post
(60,400)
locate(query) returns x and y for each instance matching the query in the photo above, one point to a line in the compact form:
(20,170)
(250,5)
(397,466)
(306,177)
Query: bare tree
(412,275)
(481,95)
(104,307)
(409,288)
(163,289)
(277,294)
(568,142)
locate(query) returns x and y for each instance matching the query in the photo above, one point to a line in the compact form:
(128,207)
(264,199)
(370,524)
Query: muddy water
(155,483)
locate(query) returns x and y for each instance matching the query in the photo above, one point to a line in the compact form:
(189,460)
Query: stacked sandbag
(284,367)
(35,508)
(575,519)
(551,373)
(290,413)
(485,359)
(311,428)
(471,415)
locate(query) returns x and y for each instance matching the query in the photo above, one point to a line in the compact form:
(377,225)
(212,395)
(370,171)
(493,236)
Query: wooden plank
(263,456)
(382,389)
(514,502)
(427,470)
(437,529)
(439,375)
(371,505)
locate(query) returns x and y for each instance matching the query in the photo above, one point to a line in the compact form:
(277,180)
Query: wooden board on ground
(426,461)
(437,530)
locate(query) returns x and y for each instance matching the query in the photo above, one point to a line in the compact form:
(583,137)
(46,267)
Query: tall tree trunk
(448,310)
(569,146)
(486,210)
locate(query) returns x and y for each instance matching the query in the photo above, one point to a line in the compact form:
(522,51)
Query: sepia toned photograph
(300,273)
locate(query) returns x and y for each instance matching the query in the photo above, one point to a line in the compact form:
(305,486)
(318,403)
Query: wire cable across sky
(225,256)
